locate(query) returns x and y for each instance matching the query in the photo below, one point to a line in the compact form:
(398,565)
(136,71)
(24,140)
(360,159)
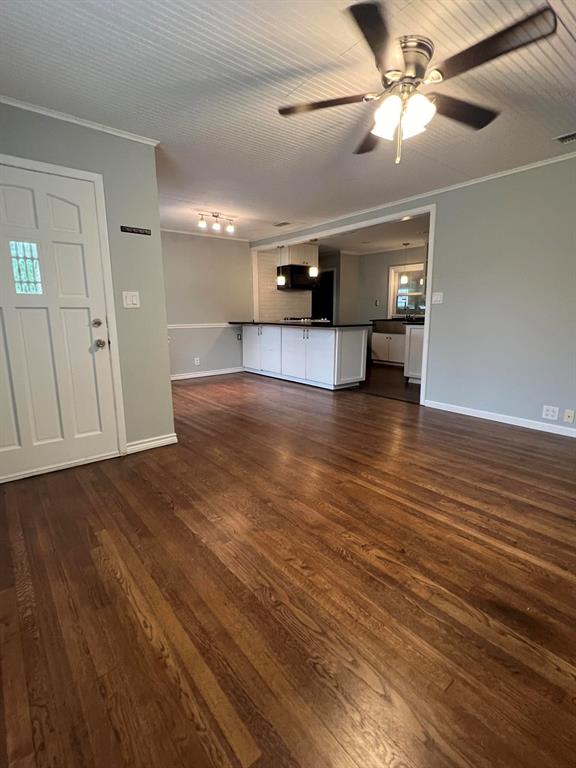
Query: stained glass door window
(26,268)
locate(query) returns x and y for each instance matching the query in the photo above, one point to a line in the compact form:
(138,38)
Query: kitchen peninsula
(331,356)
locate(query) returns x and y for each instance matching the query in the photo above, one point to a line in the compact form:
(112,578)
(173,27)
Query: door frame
(338,229)
(98,182)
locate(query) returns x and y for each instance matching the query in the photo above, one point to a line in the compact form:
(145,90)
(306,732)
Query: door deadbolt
(96,322)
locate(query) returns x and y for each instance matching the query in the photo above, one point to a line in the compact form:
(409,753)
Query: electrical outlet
(550,412)
(569,415)
(197,362)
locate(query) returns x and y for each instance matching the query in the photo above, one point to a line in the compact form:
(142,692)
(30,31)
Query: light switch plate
(130,299)
(438,297)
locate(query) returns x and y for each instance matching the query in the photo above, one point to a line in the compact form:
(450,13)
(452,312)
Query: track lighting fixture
(217,222)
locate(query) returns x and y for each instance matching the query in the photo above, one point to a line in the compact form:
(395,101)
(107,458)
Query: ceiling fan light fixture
(387,117)
(418,112)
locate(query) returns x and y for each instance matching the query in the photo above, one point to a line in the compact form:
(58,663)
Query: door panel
(294,352)
(40,380)
(18,208)
(320,353)
(76,324)
(9,433)
(56,390)
(71,269)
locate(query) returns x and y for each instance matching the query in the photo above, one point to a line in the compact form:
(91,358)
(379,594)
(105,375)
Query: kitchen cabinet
(388,347)
(294,352)
(414,348)
(261,348)
(309,353)
(332,358)
(305,254)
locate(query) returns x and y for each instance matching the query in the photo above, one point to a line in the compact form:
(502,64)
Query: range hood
(295,277)
(297,267)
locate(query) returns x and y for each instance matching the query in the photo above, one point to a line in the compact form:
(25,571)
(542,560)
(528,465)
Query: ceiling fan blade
(534,27)
(463,111)
(370,20)
(367,144)
(313,105)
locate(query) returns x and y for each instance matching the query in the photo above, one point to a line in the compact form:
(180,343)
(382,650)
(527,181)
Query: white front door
(56,391)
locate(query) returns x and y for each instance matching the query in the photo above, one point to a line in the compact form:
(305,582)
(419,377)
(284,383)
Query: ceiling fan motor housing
(417,52)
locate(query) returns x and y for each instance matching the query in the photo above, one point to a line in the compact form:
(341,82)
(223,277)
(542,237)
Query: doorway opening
(378,274)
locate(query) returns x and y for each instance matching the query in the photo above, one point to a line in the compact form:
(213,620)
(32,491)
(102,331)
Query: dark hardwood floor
(307,580)
(388,381)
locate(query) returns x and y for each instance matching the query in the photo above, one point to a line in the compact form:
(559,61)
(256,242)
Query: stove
(319,320)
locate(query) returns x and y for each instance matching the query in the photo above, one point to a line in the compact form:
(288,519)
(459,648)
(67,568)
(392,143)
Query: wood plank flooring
(307,580)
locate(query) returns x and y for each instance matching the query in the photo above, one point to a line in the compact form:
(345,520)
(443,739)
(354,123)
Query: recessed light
(405,218)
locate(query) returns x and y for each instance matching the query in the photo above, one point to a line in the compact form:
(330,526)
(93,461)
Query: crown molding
(205,234)
(77,121)
(342,223)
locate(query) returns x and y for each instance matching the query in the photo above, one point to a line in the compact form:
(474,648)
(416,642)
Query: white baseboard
(201,374)
(56,467)
(516,421)
(152,442)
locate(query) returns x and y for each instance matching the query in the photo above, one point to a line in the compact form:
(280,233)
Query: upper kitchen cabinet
(305,254)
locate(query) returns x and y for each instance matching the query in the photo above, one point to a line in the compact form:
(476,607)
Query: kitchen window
(407,290)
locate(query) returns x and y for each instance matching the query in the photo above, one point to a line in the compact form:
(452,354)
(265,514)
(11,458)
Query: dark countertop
(298,324)
(397,320)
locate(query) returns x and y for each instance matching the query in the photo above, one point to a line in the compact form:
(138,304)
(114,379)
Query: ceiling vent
(282,224)
(568,138)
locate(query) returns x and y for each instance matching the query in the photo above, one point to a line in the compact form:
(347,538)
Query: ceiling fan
(404,111)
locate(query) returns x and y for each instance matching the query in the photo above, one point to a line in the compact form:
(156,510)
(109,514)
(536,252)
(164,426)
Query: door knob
(100,343)
(96,322)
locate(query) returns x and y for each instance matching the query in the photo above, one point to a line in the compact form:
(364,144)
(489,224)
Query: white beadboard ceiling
(390,236)
(205,77)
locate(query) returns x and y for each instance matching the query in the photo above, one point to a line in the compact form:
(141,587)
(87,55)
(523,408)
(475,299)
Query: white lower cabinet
(413,351)
(309,353)
(251,346)
(271,348)
(323,357)
(388,347)
(261,348)
(397,341)
(294,352)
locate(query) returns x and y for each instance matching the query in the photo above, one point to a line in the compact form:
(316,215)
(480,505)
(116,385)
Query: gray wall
(208,280)
(129,173)
(349,285)
(373,279)
(505,257)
